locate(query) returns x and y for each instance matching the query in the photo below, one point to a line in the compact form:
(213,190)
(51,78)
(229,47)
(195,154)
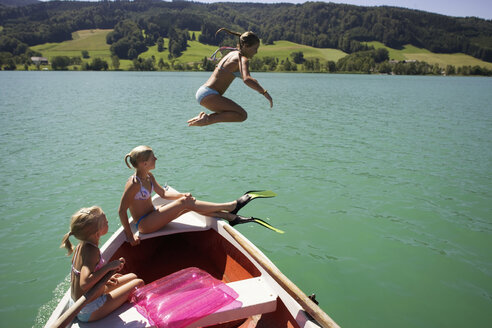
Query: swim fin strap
(249,196)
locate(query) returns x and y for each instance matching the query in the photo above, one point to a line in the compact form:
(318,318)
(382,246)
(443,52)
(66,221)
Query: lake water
(384,183)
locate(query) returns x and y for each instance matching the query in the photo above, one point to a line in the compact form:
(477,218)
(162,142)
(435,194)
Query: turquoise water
(384,182)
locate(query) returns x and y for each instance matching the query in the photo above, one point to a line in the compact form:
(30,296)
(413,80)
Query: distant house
(39,60)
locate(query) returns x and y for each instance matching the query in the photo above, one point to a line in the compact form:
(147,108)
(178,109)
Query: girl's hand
(267,96)
(113,281)
(117,264)
(135,240)
(187,195)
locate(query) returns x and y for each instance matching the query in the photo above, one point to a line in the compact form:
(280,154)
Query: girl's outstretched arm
(250,81)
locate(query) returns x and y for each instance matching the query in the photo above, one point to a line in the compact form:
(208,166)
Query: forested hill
(318,24)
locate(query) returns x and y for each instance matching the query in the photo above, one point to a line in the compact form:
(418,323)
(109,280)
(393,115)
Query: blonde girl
(137,198)
(88,267)
(234,64)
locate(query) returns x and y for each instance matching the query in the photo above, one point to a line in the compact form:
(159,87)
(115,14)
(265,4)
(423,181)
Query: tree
(141,64)
(85,54)
(450,70)
(132,53)
(97,64)
(160,44)
(381,55)
(297,57)
(331,66)
(115,61)
(10,65)
(162,64)
(60,63)
(207,65)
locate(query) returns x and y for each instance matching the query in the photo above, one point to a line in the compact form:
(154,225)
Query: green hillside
(410,52)
(94,41)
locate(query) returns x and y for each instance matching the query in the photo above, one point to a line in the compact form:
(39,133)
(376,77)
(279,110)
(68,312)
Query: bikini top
(98,266)
(221,67)
(236,74)
(144,194)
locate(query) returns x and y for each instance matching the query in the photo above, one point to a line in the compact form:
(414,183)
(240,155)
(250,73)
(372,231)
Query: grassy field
(94,41)
(410,52)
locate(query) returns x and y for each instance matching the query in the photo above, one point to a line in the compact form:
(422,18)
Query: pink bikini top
(98,266)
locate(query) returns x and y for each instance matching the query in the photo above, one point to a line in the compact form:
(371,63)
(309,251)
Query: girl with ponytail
(137,199)
(88,266)
(234,64)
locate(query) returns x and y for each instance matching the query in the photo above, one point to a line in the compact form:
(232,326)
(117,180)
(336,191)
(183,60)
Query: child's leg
(117,297)
(121,280)
(225,110)
(167,213)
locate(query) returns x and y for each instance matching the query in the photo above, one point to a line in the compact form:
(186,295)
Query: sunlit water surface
(384,183)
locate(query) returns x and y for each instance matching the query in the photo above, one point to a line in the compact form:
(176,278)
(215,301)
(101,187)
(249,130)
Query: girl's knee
(243,116)
(131,276)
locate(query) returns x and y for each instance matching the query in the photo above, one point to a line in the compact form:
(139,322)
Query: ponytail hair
(247,39)
(66,243)
(138,154)
(84,223)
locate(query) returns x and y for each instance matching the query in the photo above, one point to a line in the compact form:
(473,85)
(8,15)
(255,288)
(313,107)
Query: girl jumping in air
(88,267)
(234,64)
(137,198)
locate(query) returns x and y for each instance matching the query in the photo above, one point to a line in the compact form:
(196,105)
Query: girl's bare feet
(199,120)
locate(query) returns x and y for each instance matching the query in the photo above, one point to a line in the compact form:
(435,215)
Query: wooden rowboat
(268,298)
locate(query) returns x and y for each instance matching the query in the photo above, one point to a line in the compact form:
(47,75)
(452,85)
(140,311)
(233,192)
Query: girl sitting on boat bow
(88,267)
(137,198)
(234,64)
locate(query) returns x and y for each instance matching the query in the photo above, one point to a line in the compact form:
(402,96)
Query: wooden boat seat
(254,294)
(256,298)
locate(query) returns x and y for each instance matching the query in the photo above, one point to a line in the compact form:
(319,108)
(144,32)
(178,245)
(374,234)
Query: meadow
(410,52)
(94,41)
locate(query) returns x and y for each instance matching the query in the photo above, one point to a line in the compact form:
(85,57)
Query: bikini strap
(214,55)
(73,260)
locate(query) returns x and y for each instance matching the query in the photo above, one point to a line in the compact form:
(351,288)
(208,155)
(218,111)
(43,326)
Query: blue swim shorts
(203,92)
(85,314)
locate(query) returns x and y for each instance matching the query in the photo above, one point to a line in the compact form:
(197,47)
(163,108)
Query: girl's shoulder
(132,182)
(89,254)
(152,178)
(232,56)
(89,249)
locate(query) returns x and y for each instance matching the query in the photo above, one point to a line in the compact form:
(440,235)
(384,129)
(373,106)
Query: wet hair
(247,39)
(138,154)
(84,223)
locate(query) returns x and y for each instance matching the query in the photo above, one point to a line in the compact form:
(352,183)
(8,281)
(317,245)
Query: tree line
(374,61)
